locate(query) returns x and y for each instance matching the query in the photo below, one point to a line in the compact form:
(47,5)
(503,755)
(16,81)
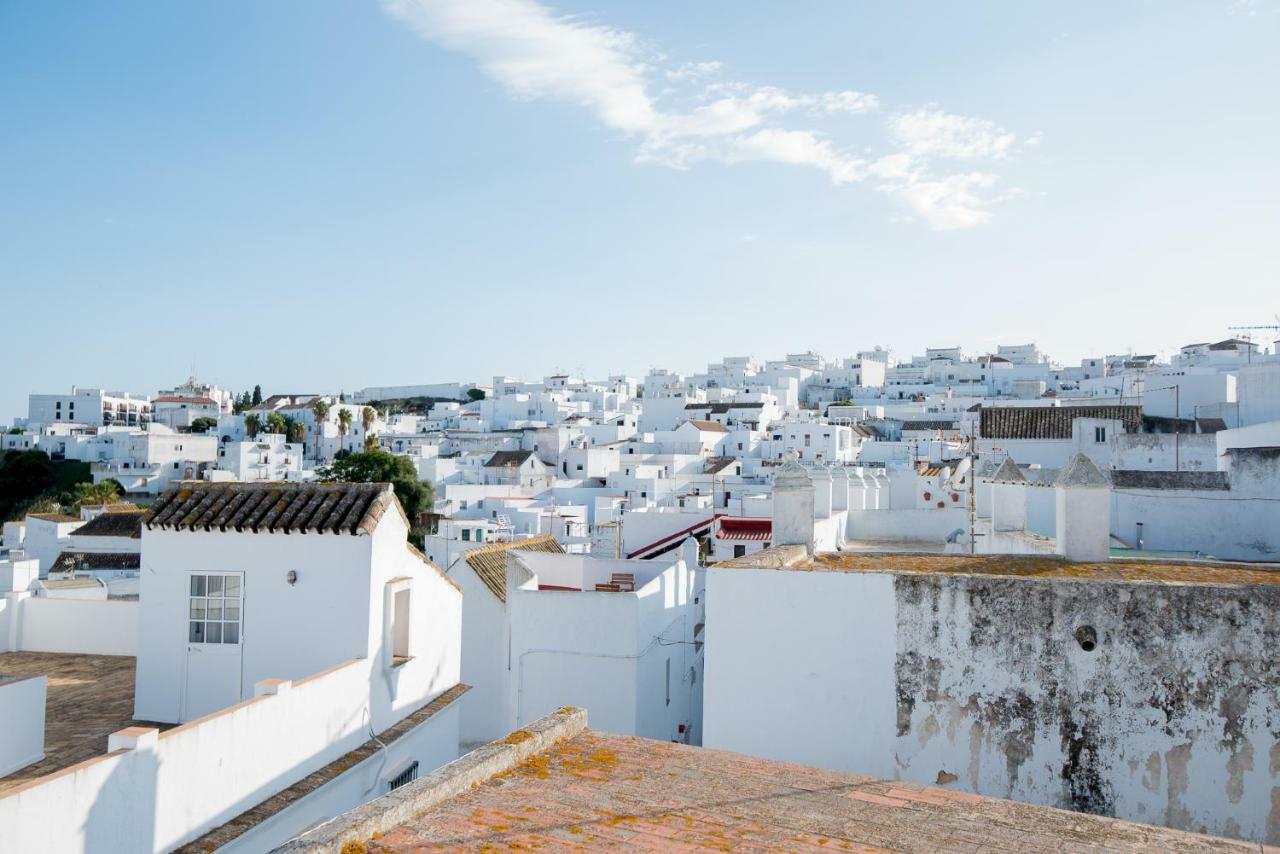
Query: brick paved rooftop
(592,791)
(88,698)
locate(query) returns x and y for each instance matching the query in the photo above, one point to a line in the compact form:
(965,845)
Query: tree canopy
(380,467)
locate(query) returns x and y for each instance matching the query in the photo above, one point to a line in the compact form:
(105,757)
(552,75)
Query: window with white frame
(214,609)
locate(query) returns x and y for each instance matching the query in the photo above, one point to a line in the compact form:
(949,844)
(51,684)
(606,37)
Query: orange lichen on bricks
(607,791)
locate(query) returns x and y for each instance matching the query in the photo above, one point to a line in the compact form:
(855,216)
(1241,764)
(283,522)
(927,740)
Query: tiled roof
(743,528)
(723,408)
(274,507)
(73,561)
(925,424)
(490,562)
(715,465)
(200,401)
(1210,480)
(708,426)
(1048,422)
(507,459)
(110,524)
(53,517)
(594,791)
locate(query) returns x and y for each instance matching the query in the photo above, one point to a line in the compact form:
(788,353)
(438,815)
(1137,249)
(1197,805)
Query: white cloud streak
(533,52)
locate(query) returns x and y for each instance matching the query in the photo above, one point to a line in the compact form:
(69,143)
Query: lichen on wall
(1152,702)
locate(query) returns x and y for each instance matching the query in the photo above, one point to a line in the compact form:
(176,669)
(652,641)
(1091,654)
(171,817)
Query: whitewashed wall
(79,626)
(981,683)
(21,722)
(196,776)
(433,743)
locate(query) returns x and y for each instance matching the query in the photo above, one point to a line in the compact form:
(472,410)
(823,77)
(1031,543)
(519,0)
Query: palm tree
(320,409)
(344,425)
(276,423)
(103,492)
(295,431)
(252,424)
(368,416)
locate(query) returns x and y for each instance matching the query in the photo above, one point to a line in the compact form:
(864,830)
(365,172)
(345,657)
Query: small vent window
(408,775)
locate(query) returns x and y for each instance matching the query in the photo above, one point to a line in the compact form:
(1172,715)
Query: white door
(215,617)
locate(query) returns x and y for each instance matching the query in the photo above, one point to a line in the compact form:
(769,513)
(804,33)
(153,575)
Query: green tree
(344,425)
(252,424)
(276,423)
(475,394)
(24,476)
(104,492)
(257,395)
(368,416)
(320,409)
(203,424)
(415,495)
(296,431)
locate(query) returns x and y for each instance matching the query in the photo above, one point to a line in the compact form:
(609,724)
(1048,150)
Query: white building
(244,575)
(315,583)
(544,629)
(1031,678)
(267,458)
(90,406)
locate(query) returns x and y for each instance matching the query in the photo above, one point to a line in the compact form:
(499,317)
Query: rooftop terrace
(573,788)
(89,697)
(1048,567)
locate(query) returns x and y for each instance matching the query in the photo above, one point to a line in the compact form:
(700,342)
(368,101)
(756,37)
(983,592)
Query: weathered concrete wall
(1155,703)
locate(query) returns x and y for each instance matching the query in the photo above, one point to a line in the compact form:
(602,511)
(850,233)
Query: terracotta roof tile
(110,524)
(273,507)
(1047,422)
(490,562)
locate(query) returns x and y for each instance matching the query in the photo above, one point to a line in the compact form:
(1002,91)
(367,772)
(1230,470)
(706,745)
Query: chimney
(1008,498)
(793,504)
(822,492)
(1084,511)
(839,489)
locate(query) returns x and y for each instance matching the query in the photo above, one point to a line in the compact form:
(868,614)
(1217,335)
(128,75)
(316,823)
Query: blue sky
(318,196)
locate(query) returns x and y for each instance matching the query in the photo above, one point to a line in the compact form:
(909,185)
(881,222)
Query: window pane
(214,633)
(197,585)
(230,633)
(215,585)
(215,609)
(231,612)
(231,586)
(197,609)
(196,633)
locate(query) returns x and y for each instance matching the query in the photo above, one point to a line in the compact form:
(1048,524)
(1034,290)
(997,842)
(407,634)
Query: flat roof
(594,791)
(1045,567)
(89,697)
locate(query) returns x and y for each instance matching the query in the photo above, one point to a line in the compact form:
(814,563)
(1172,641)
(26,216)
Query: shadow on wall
(123,816)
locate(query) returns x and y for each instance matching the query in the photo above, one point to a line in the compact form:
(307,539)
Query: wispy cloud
(682,115)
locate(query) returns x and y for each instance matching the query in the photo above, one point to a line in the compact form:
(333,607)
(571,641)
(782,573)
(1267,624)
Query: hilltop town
(967,590)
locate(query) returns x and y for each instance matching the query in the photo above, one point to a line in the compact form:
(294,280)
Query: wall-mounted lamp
(292,577)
